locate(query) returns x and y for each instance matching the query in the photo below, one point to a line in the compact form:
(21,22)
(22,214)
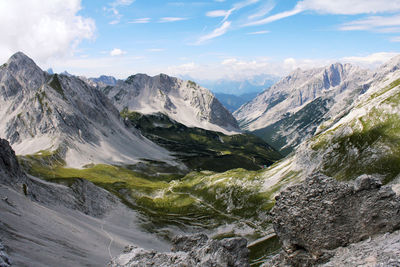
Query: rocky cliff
(39,112)
(290,111)
(321,214)
(183,101)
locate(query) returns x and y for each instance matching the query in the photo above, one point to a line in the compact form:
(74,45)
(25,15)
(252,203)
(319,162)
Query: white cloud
(342,7)
(114,9)
(117,52)
(275,17)
(215,33)
(258,32)
(120,67)
(141,20)
(379,23)
(171,19)
(263,10)
(370,61)
(350,7)
(218,13)
(42,29)
(236,69)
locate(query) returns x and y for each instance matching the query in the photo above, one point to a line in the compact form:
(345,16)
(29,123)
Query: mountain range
(143,160)
(42,112)
(291,110)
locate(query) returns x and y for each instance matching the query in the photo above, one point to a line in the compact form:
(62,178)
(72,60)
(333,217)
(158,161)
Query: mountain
(104,80)
(254,84)
(43,113)
(201,149)
(233,102)
(291,110)
(77,219)
(183,101)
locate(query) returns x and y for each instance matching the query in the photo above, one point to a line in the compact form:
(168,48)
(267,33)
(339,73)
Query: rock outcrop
(80,195)
(322,214)
(196,250)
(9,167)
(5,260)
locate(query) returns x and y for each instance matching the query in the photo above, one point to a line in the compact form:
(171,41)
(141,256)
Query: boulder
(196,250)
(5,260)
(322,214)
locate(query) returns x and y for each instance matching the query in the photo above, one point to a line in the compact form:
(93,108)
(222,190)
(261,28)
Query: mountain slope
(40,112)
(183,101)
(233,102)
(281,115)
(201,149)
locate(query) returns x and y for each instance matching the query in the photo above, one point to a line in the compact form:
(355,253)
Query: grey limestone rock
(322,214)
(196,250)
(5,260)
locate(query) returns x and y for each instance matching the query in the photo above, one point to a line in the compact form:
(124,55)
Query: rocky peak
(24,70)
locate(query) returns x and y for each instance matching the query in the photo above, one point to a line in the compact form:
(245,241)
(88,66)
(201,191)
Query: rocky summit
(322,214)
(196,250)
(183,101)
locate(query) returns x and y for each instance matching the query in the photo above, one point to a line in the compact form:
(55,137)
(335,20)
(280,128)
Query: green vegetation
(200,199)
(201,149)
(307,118)
(192,84)
(386,89)
(56,85)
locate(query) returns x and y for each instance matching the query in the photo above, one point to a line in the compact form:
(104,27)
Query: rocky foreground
(196,251)
(319,222)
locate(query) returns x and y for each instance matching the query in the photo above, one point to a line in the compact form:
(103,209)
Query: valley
(163,157)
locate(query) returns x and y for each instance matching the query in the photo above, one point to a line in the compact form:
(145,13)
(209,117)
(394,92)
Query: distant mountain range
(291,110)
(254,84)
(233,102)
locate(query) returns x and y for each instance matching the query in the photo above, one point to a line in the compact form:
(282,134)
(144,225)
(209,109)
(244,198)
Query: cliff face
(313,218)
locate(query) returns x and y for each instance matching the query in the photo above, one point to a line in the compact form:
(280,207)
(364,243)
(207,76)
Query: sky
(203,39)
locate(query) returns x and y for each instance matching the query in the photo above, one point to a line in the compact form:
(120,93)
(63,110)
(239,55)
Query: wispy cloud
(225,24)
(372,60)
(338,7)
(258,32)
(113,9)
(217,13)
(117,52)
(215,33)
(140,20)
(263,10)
(171,19)
(275,17)
(378,23)
(395,39)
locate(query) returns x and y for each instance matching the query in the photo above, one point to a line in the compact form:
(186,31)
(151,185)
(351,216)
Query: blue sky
(206,39)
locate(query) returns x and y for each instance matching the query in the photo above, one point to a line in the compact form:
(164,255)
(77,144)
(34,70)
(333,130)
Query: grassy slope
(200,199)
(369,144)
(200,149)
